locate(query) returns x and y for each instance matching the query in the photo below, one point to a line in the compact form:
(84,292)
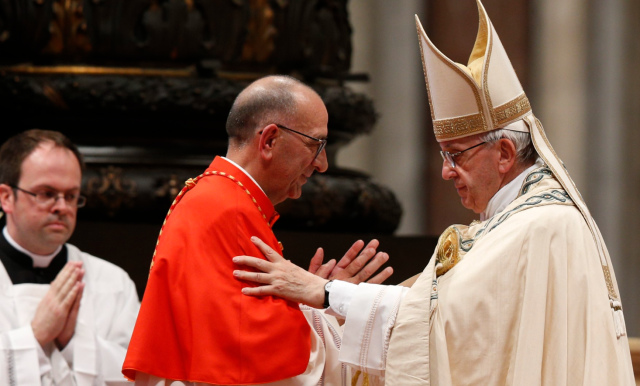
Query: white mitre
(482,96)
(486,95)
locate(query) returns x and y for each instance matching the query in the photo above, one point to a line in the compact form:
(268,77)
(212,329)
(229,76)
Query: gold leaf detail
(446,129)
(512,110)
(448,250)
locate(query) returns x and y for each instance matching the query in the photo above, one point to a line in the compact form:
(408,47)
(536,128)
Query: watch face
(327,286)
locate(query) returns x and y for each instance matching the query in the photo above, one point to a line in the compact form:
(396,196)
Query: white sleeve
(108,351)
(22,360)
(371,315)
(340,297)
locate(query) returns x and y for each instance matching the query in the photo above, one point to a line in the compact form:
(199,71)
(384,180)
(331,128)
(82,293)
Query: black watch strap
(326,294)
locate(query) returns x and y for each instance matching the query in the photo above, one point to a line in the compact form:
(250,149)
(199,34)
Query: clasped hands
(280,277)
(57,313)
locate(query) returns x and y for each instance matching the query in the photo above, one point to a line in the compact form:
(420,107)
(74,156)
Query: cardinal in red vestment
(194,323)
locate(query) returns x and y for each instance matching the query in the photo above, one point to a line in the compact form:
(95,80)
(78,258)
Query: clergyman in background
(66,317)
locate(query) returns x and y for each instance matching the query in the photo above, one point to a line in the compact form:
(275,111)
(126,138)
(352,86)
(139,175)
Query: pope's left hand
(280,277)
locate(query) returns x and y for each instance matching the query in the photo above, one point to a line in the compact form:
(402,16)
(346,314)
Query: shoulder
(211,194)
(551,216)
(99,270)
(537,223)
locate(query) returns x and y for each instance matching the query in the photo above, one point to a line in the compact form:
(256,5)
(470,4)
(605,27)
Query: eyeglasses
(450,157)
(323,142)
(48,198)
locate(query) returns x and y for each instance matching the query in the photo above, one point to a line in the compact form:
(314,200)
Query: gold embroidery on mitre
(448,250)
(446,129)
(513,109)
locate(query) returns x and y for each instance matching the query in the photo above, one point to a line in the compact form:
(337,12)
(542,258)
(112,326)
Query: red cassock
(194,322)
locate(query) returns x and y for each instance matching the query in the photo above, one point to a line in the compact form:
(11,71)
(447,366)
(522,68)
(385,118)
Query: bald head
(267,100)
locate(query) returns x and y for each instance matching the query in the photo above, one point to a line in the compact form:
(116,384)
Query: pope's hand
(280,277)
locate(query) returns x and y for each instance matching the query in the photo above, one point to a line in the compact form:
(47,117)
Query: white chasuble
(519,299)
(526,304)
(94,355)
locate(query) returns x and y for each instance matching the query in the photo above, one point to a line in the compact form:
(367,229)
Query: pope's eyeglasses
(323,142)
(450,157)
(48,198)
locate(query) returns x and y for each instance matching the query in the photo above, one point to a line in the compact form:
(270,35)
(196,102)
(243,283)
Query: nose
(447,171)
(321,163)
(60,205)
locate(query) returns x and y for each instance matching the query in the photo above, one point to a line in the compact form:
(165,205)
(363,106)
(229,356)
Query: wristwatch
(327,288)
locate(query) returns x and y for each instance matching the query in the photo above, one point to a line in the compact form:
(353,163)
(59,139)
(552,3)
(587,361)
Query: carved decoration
(145,87)
(340,203)
(170,188)
(309,36)
(168,102)
(111,189)
(67,28)
(259,44)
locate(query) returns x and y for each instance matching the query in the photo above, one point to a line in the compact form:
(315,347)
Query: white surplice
(94,355)
(324,368)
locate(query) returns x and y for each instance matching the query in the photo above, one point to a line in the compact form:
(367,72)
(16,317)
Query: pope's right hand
(53,311)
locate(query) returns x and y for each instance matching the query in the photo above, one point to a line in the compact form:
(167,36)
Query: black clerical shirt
(20,266)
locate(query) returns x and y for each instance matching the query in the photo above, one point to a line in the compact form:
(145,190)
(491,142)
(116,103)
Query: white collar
(507,193)
(39,261)
(244,171)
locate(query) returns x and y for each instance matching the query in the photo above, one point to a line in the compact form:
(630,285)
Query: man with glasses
(194,323)
(65,316)
(526,296)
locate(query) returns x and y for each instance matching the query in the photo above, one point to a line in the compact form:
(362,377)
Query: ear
(268,140)
(507,155)
(6,198)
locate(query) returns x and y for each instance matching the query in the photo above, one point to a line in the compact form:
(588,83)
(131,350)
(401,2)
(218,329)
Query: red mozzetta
(194,323)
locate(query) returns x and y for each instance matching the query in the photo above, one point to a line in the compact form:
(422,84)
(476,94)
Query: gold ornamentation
(112,188)
(446,129)
(609,281)
(424,71)
(259,44)
(448,250)
(487,97)
(512,110)
(356,376)
(97,70)
(68,28)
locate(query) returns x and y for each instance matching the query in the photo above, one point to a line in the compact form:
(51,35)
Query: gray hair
(526,153)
